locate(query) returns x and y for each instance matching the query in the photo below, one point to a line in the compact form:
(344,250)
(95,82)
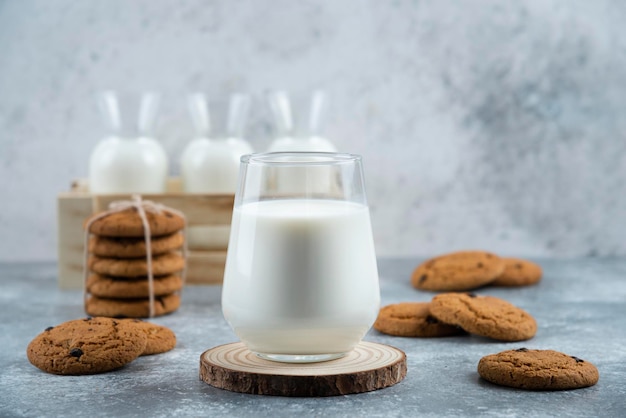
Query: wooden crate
(210,213)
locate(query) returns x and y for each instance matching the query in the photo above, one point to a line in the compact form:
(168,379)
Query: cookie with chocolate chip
(163,264)
(486,316)
(125,288)
(412,319)
(160,338)
(537,370)
(131,308)
(134,247)
(86,346)
(128,223)
(518,272)
(463,270)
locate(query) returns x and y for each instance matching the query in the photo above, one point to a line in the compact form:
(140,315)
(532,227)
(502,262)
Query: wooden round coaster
(370,366)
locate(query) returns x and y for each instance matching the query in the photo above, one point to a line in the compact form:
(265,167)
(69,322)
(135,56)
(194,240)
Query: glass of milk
(301,280)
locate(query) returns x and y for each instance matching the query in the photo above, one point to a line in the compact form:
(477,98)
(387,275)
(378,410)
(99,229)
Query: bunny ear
(129,113)
(110,110)
(319,100)
(200,116)
(281,109)
(147,111)
(239,107)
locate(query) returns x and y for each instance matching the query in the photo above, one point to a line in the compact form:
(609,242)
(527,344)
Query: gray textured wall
(482,123)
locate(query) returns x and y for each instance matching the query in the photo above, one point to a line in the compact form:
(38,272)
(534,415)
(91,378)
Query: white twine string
(141,206)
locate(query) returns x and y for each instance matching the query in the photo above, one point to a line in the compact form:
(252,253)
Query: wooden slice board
(370,366)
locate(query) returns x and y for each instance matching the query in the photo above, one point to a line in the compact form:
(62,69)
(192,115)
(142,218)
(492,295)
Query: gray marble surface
(482,123)
(580,308)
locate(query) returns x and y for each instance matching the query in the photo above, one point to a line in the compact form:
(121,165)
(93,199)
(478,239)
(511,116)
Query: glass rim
(290,158)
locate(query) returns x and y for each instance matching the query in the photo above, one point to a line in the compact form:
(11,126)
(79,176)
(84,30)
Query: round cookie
(134,247)
(463,270)
(86,346)
(163,264)
(537,370)
(127,223)
(412,319)
(131,308)
(110,287)
(486,316)
(159,338)
(518,272)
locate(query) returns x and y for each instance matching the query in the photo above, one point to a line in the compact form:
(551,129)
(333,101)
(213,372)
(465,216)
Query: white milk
(301,276)
(211,166)
(135,165)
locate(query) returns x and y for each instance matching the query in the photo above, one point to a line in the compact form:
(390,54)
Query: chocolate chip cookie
(412,319)
(134,247)
(124,288)
(486,316)
(131,308)
(163,264)
(463,270)
(537,370)
(518,272)
(159,338)
(127,223)
(86,346)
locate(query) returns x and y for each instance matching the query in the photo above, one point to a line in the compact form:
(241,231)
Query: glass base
(300,358)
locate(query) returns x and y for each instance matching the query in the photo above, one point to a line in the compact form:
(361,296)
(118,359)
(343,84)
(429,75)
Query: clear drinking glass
(301,280)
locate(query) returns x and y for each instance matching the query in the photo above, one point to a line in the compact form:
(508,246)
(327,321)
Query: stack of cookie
(117,283)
